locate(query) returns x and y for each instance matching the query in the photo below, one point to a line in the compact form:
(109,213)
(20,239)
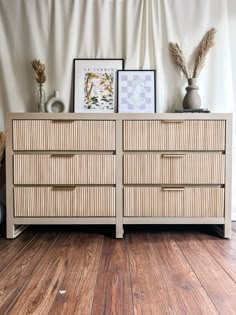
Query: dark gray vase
(192,99)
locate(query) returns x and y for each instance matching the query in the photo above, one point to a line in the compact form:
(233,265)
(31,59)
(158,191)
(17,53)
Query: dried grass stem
(204,47)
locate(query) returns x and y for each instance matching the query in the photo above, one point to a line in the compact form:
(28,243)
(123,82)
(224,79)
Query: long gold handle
(60,155)
(173,188)
(173,155)
(71,187)
(63,120)
(172,121)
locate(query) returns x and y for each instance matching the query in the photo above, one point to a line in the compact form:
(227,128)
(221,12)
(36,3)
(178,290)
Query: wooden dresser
(118,169)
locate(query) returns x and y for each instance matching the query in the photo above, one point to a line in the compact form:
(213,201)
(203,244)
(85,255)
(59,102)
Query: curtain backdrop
(56,31)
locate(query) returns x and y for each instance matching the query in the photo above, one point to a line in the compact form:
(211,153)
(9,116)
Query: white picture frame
(95,85)
(136,91)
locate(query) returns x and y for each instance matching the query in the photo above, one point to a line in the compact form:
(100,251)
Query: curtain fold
(57,31)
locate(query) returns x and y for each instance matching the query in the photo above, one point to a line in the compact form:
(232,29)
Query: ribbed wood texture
(63,135)
(189,202)
(164,135)
(78,202)
(191,168)
(33,169)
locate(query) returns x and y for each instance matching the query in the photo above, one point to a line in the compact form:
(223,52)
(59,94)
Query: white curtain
(56,31)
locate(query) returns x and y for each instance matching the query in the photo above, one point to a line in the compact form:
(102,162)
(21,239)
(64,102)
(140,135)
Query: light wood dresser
(118,169)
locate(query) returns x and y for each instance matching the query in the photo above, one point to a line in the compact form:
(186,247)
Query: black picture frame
(119,96)
(114,64)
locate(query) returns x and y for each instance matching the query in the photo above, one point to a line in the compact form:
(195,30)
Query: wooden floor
(84,270)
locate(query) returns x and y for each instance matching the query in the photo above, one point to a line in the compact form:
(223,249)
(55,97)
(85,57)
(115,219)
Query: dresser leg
(10,231)
(14,230)
(227,230)
(119,231)
(224,230)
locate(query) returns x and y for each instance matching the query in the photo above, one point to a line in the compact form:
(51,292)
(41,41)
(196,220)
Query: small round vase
(192,99)
(55,104)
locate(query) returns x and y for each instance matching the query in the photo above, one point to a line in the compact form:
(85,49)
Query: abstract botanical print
(95,85)
(98,90)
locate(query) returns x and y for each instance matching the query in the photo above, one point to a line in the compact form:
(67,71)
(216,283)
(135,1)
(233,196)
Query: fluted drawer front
(174,135)
(191,168)
(34,169)
(173,202)
(64,202)
(63,135)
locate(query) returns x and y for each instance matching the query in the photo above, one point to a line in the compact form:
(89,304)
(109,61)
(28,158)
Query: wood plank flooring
(84,270)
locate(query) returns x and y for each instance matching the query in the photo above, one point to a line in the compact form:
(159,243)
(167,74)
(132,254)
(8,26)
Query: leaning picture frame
(95,85)
(136,91)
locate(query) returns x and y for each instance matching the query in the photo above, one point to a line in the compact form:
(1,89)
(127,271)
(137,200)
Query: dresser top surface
(120,116)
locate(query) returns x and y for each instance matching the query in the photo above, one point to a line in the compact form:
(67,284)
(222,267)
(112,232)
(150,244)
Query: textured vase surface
(192,99)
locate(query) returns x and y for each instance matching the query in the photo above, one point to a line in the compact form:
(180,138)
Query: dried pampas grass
(179,59)
(39,69)
(204,47)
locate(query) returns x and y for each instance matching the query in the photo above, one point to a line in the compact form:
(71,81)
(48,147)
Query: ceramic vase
(192,99)
(55,104)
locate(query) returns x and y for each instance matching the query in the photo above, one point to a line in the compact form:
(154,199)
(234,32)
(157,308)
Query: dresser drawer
(59,169)
(173,202)
(184,168)
(33,135)
(64,201)
(161,135)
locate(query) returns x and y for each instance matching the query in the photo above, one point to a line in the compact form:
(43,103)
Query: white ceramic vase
(55,104)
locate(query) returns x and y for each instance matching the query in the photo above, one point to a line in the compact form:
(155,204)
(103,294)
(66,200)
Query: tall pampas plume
(204,47)
(178,57)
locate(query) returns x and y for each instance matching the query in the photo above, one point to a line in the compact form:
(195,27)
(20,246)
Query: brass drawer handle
(173,188)
(60,155)
(71,187)
(63,120)
(172,121)
(173,155)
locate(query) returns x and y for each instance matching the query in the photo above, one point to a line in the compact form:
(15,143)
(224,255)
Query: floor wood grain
(219,286)
(113,293)
(80,278)
(185,290)
(15,276)
(10,250)
(153,270)
(223,251)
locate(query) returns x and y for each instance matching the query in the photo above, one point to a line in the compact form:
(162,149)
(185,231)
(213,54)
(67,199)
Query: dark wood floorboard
(79,280)
(219,286)
(186,291)
(113,293)
(19,271)
(149,289)
(37,296)
(9,249)
(153,270)
(223,251)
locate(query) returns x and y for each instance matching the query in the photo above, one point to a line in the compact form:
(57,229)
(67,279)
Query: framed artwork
(136,91)
(95,85)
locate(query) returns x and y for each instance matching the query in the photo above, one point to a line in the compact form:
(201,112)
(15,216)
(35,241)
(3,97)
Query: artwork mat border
(115,85)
